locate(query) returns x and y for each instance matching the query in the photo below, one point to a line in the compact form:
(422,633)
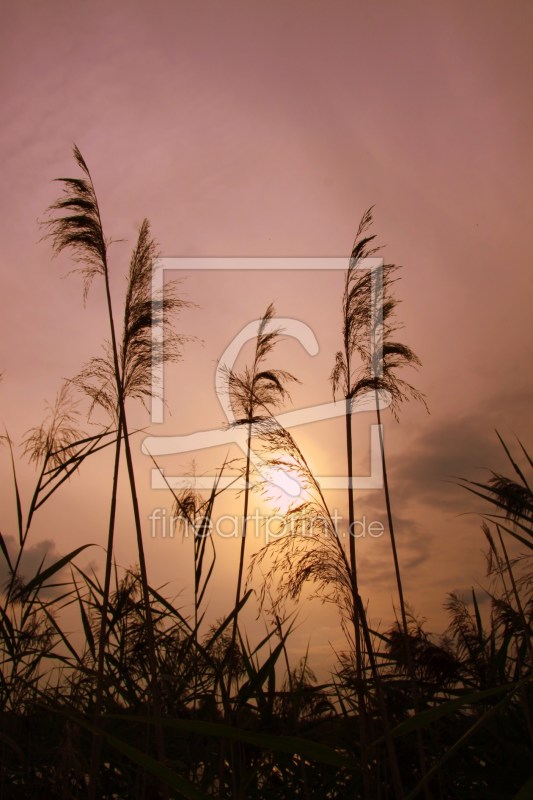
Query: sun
(282,487)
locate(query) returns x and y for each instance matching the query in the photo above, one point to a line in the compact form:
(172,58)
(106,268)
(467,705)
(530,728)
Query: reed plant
(233,716)
(254,392)
(123,371)
(369,331)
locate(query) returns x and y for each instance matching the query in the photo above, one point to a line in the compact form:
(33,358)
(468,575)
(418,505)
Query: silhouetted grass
(155,703)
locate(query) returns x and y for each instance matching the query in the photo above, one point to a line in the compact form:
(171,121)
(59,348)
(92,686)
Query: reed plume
(75,224)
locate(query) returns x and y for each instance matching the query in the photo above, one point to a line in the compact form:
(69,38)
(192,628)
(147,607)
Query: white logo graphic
(235,434)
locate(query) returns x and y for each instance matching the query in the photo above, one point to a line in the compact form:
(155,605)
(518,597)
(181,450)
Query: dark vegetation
(155,705)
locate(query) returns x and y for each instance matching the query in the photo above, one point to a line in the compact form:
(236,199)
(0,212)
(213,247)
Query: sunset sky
(266,129)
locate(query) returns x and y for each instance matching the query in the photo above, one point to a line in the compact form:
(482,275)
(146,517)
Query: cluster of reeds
(155,703)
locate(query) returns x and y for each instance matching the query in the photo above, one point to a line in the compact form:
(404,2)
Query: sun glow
(282,488)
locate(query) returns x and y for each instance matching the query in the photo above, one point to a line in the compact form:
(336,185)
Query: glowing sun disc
(282,480)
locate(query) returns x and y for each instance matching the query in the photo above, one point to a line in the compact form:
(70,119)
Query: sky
(266,129)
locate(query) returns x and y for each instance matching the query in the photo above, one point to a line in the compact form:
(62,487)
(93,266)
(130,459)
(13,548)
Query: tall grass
(253,394)
(154,701)
(370,304)
(125,369)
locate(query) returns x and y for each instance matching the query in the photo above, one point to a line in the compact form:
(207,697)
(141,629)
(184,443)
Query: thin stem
(97,736)
(154,686)
(241,557)
(405,627)
(356,618)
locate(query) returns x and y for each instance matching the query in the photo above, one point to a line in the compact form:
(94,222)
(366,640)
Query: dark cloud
(375,562)
(461,447)
(38,556)
(465,594)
